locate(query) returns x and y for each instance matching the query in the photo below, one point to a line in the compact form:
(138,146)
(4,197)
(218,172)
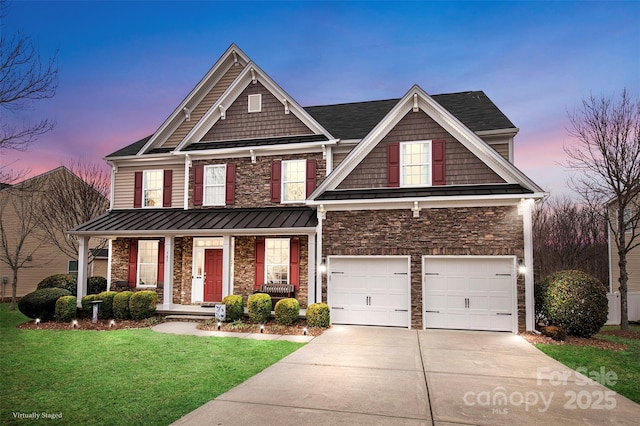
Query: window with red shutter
(259,263)
(133,263)
(311,177)
(166,188)
(137,190)
(198,177)
(161,264)
(230,188)
(276,179)
(393,165)
(294,263)
(438,162)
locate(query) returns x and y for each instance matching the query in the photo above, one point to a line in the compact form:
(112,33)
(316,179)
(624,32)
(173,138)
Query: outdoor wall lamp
(416,209)
(323,266)
(522,268)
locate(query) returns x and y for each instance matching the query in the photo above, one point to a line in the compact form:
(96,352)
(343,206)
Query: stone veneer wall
(244,267)
(445,231)
(120,264)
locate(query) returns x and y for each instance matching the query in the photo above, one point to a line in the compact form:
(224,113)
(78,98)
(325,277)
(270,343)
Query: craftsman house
(404,212)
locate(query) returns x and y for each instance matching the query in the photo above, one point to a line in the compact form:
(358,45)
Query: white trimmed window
(276,260)
(147,263)
(293,180)
(214,185)
(255,103)
(152,188)
(415,163)
(72,267)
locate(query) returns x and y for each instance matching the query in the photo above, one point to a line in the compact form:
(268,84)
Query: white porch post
(109,259)
(527,206)
(318,260)
(311,288)
(167,294)
(226,266)
(83,254)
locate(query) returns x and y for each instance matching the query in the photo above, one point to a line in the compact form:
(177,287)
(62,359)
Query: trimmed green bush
(96,285)
(234,307)
(259,307)
(318,315)
(287,311)
(121,305)
(87,307)
(67,281)
(105,310)
(42,303)
(575,301)
(142,304)
(66,309)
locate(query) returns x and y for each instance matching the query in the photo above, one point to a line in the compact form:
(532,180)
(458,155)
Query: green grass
(626,364)
(124,377)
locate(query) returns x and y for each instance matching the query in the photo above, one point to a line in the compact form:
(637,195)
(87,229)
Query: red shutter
(161,264)
(437,160)
(311,176)
(294,263)
(198,178)
(133,263)
(259,262)
(230,188)
(137,190)
(393,165)
(166,188)
(276,176)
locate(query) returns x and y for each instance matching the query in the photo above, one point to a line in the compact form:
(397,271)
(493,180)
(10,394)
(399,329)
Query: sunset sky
(124,66)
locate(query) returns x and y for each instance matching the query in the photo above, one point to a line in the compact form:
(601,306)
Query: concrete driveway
(386,376)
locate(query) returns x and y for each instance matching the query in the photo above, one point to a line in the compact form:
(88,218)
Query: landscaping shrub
(142,304)
(42,303)
(105,310)
(121,305)
(67,281)
(556,333)
(66,309)
(287,311)
(259,307)
(87,307)
(575,301)
(318,315)
(96,285)
(234,307)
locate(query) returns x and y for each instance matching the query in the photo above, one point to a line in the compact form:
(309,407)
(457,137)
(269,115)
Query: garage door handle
(502,313)
(434,312)
(336,307)
(432,273)
(399,273)
(401,310)
(336,272)
(503,275)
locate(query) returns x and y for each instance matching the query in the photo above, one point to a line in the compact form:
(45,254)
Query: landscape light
(37,321)
(261,328)
(304,331)
(74,323)
(112,323)
(219,325)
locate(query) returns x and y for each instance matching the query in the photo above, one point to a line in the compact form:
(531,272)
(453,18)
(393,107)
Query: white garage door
(369,290)
(471,293)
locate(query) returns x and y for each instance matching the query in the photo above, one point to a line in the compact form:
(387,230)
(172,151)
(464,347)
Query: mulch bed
(86,324)
(595,342)
(270,327)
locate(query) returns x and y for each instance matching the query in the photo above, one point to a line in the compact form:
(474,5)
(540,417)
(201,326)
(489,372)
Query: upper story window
(152,188)
(277,260)
(255,103)
(415,163)
(72,267)
(214,185)
(293,180)
(147,263)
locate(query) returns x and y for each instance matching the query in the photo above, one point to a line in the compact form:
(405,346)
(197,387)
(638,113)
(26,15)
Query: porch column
(318,260)
(527,206)
(167,297)
(311,288)
(83,257)
(109,259)
(226,266)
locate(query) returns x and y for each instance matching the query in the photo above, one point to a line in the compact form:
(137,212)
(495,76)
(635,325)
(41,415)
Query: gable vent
(255,103)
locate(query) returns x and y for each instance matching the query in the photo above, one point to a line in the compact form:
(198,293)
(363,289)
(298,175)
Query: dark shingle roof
(433,191)
(157,221)
(356,120)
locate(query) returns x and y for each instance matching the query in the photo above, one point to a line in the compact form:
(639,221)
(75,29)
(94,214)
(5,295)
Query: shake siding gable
(270,122)
(462,167)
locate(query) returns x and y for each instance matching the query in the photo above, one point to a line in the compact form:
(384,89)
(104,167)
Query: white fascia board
(500,132)
(133,160)
(215,73)
(242,81)
(263,150)
(424,202)
(197,232)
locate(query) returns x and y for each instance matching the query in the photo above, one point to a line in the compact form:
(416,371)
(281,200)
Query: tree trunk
(624,277)
(14,290)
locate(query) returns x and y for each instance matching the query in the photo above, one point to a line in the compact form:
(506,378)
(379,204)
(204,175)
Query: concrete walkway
(191,328)
(385,376)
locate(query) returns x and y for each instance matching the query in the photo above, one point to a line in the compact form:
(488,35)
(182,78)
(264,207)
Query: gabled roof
(417,99)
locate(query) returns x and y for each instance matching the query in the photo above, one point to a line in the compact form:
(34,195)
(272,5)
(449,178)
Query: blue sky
(124,66)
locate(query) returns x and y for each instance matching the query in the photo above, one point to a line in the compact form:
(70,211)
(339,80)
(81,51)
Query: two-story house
(404,212)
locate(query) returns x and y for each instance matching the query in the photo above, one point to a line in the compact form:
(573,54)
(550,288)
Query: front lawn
(122,377)
(625,364)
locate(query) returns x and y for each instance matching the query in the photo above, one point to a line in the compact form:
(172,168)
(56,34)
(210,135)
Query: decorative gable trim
(250,73)
(233,56)
(418,98)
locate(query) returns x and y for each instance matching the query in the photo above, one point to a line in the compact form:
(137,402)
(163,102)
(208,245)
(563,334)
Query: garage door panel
(469,293)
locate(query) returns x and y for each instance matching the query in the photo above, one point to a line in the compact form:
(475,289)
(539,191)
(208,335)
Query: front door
(213,275)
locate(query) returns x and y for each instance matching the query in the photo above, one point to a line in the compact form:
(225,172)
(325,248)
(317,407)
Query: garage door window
(277,260)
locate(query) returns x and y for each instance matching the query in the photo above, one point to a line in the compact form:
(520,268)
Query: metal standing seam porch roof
(179,221)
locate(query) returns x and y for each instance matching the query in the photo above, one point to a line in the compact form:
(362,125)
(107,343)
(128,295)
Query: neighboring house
(43,257)
(633,271)
(404,212)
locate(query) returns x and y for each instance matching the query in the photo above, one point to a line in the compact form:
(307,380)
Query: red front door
(213,275)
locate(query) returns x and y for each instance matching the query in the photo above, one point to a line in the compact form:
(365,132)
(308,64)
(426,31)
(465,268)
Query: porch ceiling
(200,221)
